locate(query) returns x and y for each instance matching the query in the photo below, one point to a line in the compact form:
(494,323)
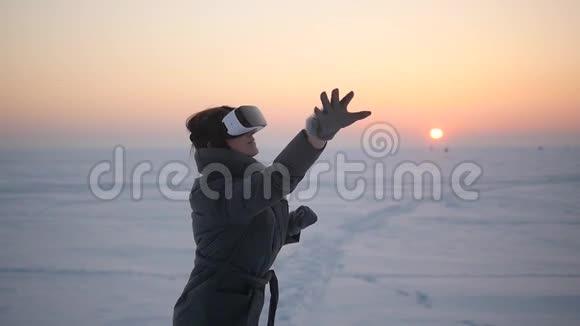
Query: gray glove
(301,218)
(334,116)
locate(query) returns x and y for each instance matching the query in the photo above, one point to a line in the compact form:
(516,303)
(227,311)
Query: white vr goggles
(244,119)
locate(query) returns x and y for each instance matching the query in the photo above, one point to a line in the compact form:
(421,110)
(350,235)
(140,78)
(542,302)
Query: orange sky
(99,73)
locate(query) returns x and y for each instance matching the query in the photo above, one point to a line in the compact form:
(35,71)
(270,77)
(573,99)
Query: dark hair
(206,127)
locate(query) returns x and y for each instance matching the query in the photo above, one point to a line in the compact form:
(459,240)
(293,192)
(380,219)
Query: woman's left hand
(302,218)
(307,217)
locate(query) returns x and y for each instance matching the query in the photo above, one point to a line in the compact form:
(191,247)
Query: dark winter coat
(239,236)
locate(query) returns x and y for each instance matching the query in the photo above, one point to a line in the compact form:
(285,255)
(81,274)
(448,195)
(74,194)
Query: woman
(240,214)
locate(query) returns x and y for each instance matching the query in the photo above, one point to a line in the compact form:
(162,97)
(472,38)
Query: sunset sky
(99,73)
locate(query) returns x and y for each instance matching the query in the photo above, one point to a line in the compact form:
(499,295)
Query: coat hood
(235,162)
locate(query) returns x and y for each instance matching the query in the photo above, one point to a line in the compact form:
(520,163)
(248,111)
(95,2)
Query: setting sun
(436,133)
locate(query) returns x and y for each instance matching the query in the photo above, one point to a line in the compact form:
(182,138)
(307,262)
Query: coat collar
(235,162)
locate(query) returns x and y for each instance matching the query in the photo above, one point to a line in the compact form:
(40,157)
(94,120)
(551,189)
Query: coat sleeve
(273,183)
(292,239)
(293,230)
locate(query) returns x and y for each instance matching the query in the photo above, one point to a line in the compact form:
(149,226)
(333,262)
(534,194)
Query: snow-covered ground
(509,258)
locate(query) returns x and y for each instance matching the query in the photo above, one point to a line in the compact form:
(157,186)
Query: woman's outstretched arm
(316,142)
(296,158)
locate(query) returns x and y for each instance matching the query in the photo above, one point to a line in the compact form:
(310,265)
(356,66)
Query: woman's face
(244,144)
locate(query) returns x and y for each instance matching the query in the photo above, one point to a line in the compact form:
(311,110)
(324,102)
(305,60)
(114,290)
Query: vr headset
(244,119)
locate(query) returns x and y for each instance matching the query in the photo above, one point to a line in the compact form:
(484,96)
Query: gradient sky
(99,73)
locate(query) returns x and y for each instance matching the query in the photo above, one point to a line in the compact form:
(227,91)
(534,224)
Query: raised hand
(334,116)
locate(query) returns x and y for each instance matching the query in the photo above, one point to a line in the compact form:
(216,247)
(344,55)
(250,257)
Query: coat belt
(256,282)
(260,283)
